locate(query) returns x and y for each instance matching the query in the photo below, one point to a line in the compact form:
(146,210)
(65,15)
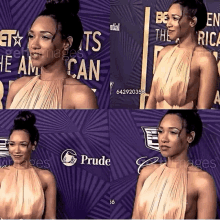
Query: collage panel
(73,147)
(31,45)
(135,149)
(112,162)
(140,30)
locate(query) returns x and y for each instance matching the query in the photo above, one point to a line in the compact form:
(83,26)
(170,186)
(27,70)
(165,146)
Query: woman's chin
(173,38)
(36,64)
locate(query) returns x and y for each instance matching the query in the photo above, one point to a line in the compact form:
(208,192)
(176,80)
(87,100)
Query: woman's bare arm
(207,198)
(50,196)
(151,101)
(208,81)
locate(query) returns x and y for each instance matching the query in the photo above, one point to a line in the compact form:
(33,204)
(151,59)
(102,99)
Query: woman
(186,74)
(176,189)
(54,35)
(26,192)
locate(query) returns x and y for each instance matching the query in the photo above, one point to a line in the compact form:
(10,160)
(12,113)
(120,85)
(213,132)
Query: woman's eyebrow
(179,129)
(176,15)
(42,32)
(172,128)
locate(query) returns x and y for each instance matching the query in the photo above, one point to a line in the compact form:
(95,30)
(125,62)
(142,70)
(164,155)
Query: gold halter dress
(21,195)
(164,194)
(39,94)
(171,79)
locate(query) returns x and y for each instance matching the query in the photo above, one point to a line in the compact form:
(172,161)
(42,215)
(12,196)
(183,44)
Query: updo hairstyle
(191,121)
(25,121)
(195,8)
(64,13)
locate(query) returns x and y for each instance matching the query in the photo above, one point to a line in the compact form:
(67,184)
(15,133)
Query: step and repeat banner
(134,144)
(74,146)
(90,65)
(138,32)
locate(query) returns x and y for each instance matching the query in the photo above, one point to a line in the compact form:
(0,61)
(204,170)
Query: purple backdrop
(82,189)
(127,141)
(131,63)
(92,62)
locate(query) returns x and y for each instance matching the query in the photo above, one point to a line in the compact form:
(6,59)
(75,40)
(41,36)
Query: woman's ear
(191,137)
(193,22)
(34,145)
(68,43)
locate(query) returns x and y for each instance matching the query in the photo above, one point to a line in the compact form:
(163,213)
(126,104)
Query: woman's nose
(17,149)
(164,137)
(34,43)
(169,23)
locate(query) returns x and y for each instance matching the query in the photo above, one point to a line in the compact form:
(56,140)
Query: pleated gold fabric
(21,195)
(171,79)
(39,94)
(164,194)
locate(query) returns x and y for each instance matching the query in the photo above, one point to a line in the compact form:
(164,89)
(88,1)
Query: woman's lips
(170,31)
(35,55)
(164,147)
(17,156)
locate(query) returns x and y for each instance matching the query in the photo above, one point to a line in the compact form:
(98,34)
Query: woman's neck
(191,40)
(54,72)
(178,161)
(24,165)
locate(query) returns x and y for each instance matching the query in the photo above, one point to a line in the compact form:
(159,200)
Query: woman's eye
(174,132)
(45,37)
(30,36)
(159,131)
(176,18)
(166,18)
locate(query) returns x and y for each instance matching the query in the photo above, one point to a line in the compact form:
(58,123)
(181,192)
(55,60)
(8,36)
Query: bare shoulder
(19,83)
(201,178)
(204,57)
(3,171)
(148,170)
(76,86)
(163,52)
(79,95)
(45,176)
(23,80)
(166,49)
(71,81)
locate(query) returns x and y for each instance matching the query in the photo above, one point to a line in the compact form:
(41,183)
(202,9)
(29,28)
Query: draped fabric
(164,194)
(21,195)
(39,94)
(171,79)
